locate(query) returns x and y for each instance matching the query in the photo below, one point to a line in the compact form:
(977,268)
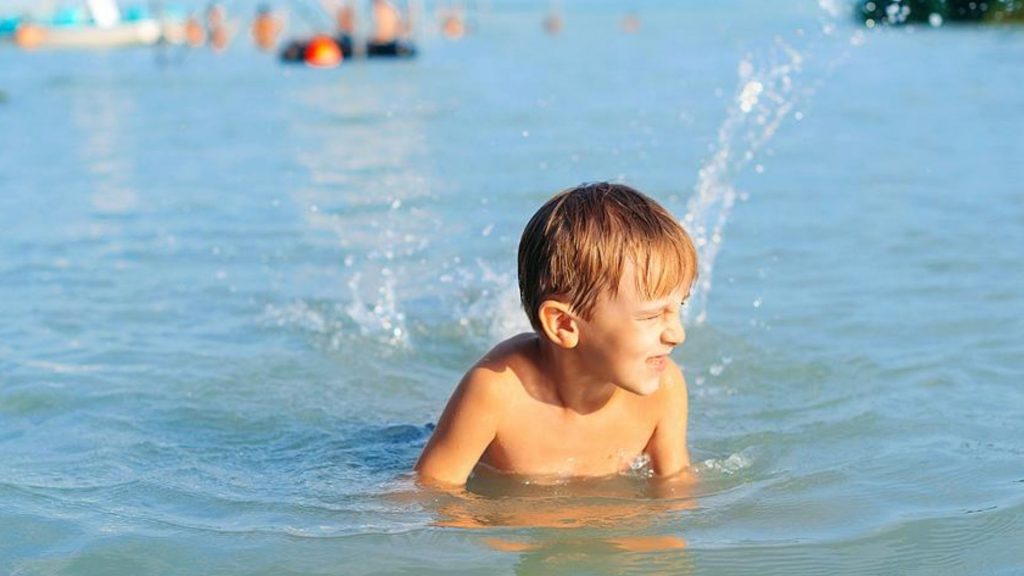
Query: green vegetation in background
(937,12)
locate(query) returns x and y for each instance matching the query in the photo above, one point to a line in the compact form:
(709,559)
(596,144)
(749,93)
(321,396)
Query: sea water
(234,296)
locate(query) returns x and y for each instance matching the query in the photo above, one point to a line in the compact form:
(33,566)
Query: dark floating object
(938,12)
(296,51)
(299,51)
(396,49)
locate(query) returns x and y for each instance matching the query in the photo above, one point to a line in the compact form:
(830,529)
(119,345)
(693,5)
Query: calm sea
(234,296)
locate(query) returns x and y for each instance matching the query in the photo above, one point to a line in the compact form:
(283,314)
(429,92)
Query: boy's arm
(667,446)
(467,426)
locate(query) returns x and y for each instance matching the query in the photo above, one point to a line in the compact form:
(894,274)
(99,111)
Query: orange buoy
(322,52)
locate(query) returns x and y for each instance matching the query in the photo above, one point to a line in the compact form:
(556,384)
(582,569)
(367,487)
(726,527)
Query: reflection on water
(610,555)
(594,524)
(102,115)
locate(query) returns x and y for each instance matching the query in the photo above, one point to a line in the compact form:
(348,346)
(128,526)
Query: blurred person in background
(218,31)
(266,28)
(390,31)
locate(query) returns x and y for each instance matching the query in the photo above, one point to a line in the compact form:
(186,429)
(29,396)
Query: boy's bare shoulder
(671,389)
(673,380)
(672,393)
(505,368)
(515,350)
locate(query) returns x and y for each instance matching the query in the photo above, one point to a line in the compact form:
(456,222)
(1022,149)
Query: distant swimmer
(387,22)
(553,23)
(346,19)
(453,24)
(195,34)
(217,29)
(631,23)
(266,28)
(389,32)
(344,23)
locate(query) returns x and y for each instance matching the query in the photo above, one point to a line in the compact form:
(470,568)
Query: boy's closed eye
(655,314)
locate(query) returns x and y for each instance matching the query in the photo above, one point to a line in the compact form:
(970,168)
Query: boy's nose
(674,333)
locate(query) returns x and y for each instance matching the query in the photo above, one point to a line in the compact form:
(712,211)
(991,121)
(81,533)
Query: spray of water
(769,86)
(496,314)
(383,319)
(763,100)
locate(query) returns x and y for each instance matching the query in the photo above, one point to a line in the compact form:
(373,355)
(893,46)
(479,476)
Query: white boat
(105,29)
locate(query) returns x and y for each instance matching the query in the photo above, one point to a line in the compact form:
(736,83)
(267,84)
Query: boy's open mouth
(658,362)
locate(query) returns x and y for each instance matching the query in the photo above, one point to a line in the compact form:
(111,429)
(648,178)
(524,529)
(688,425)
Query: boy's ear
(559,324)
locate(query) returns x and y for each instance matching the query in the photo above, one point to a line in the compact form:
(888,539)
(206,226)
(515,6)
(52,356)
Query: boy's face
(627,339)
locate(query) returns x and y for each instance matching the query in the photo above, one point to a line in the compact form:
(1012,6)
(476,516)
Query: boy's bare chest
(547,441)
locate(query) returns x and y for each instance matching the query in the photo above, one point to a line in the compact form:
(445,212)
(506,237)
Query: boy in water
(603,273)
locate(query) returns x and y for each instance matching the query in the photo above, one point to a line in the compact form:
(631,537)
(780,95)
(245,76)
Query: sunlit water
(235,296)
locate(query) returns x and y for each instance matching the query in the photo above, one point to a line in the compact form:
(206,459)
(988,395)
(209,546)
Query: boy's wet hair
(576,245)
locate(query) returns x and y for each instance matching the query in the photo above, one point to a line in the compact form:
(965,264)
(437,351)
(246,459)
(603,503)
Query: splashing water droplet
(765,96)
(750,94)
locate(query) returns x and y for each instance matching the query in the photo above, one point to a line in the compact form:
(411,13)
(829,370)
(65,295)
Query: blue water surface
(234,295)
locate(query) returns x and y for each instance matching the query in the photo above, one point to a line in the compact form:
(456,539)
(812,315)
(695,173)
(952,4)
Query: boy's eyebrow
(659,307)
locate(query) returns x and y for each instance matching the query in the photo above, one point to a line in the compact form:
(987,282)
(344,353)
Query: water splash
(766,95)
(326,323)
(834,8)
(496,314)
(640,467)
(334,326)
(383,319)
(733,464)
(769,86)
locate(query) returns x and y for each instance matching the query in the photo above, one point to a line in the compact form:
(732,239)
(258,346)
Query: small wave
(728,466)
(49,365)
(61,368)
(62,488)
(294,483)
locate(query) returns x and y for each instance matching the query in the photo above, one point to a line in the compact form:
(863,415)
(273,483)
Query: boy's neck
(567,376)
